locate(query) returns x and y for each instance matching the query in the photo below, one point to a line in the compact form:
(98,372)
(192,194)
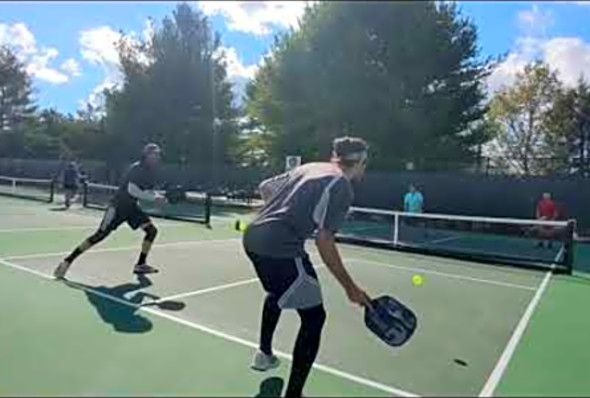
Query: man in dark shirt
(138,183)
(315,196)
(71,178)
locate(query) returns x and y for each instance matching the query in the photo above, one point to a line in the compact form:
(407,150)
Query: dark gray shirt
(139,174)
(312,196)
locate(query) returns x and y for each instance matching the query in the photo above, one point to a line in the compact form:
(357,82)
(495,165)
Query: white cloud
(235,67)
(98,46)
(535,20)
(71,67)
(96,98)
(238,73)
(19,37)
(148,30)
(527,49)
(38,67)
(36,59)
(256,17)
(569,56)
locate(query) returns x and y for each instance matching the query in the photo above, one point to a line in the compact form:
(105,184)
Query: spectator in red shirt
(546,210)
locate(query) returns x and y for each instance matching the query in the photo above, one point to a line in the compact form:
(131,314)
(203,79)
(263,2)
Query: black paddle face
(175,194)
(391,321)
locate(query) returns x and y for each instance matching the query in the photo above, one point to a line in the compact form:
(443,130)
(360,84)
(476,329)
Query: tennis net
(27,188)
(196,207)
(487,239)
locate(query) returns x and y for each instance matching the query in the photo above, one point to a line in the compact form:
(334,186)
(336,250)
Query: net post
(569,246)
(208,205)
(52,190)
(85,193)
(395,228)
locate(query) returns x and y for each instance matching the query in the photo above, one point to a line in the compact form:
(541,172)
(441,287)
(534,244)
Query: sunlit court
(272,199)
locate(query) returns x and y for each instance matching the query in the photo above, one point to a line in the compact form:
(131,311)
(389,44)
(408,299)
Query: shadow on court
(63,208)
(582,257)
(271,387)
(122,318)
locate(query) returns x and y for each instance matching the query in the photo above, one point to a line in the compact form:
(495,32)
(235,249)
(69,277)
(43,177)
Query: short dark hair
(349,150)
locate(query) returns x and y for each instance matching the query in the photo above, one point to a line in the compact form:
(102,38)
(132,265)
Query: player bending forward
(309,197)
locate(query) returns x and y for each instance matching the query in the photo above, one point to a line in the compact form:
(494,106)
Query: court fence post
(569,246)
(85,194)
(208,205)
(395,228)
(52,185)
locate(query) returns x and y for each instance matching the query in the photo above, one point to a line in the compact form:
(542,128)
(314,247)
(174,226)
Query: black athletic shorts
(117,215)
(292,280)
(70,186)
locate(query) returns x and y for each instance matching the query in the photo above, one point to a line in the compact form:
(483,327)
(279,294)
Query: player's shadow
(122,317)
(63,208)
(271,387)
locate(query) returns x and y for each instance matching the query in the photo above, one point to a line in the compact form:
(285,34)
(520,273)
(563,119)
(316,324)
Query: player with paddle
(315,196)
(138,183)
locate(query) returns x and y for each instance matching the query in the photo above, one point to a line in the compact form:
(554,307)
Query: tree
(569,128)
(167,94)
(253,148)
(403,75)
(17,109)
(522,113)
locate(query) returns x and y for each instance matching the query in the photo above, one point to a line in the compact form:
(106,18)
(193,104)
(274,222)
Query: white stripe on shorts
(305,292)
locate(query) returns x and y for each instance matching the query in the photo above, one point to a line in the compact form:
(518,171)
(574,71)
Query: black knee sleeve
(150,233)
(97,237)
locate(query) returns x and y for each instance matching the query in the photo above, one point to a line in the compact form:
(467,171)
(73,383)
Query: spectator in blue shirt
(413,201)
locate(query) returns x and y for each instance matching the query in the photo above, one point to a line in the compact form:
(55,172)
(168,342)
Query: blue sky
(67,46)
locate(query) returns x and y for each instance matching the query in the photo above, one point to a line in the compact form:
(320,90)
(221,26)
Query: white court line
(448,238)
(71,227)
(213,289)
(33,229)
(444,274)
(122,248)
(500,368)
(203,291)
(225,336)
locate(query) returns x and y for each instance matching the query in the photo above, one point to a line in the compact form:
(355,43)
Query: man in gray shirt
(315,196)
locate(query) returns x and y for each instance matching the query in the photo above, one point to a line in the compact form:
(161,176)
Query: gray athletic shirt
(310,197)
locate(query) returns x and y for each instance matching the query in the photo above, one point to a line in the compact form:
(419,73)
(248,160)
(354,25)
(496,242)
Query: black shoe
(141,269)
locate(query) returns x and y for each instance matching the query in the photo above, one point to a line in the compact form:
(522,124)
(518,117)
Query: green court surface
(483,329)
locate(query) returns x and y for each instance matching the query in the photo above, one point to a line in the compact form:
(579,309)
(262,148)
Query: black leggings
(306,346)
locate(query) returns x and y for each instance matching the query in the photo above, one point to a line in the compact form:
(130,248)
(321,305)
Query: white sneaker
(263,362)
(61,270)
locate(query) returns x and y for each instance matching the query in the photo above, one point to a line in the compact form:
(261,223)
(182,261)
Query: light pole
(213,108)
(583,122)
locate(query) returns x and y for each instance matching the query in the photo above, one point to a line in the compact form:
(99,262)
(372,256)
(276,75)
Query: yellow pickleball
(417,280)
(241,225)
